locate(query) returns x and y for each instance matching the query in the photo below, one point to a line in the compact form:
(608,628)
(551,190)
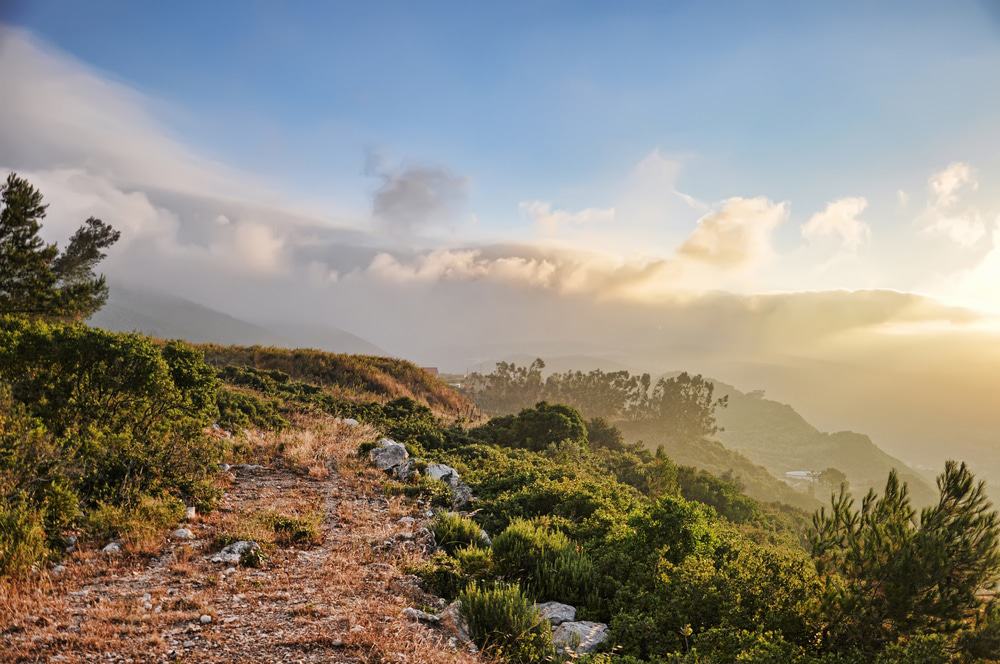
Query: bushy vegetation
(505,623)
(453,531)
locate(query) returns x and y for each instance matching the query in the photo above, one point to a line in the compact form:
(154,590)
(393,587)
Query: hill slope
(775,436)
(169,317)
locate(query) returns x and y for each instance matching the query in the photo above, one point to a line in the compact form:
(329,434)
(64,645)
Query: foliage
(244,409)
(35,278)
(452,531)
(537,428)
(903,576)
(547,563)
(505,624)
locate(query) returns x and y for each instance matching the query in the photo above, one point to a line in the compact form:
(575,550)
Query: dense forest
(108,434)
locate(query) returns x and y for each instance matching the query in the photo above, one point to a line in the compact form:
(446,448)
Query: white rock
(388,454)
(453,621)
(406,521)
(224,467)
(350,421)
(205,619)
(579,637)
(233,553)
(422,616)
(438,471)
(461,494)
(229,570)
(147,605)
(556,612)
(190,513)
(58,570)
(111,548)
(182,534)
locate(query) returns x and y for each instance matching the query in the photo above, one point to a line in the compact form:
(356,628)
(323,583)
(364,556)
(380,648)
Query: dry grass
(340,600)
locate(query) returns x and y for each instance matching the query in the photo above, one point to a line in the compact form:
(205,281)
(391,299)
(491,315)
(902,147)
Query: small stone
(422,616)
(189,644)
(191,513)
(148,606)
(349,421)
(58,570)
(234,553)
(224,467)
(205,619)
(229,570)
(112,548)
(182,534)
(146,597)
(406,521)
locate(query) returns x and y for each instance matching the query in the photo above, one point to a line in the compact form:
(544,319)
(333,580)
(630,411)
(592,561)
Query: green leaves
(35,279)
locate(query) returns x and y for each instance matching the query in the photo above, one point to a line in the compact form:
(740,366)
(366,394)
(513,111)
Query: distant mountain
(171,317)
(775,436)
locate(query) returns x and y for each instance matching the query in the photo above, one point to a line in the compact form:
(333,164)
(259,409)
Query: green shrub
(22,539)
(295,530)
(504,622)
(243,410)
(551,566)
(452,531)
(537,428)
(137,526)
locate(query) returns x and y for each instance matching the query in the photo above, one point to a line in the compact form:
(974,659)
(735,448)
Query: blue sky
(558,100)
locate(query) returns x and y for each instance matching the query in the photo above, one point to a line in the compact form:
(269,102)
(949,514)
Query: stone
(182,534)
(224,467)
(453,621)
(421,616)
(58,570)
(205,619)
(556,612)
(349,421)
(190,513)
(388,454)
(439,471)
(406,521)
(234,553)
(112,548)
(578,638)
(461,494)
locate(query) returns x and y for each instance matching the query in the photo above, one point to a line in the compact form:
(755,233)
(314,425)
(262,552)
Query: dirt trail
(337,601)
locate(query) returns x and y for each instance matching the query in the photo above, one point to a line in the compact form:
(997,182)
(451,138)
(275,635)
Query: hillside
(355,377)
(775,436)
(170,317)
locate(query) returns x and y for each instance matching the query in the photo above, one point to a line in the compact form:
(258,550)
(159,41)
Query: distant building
(431,370)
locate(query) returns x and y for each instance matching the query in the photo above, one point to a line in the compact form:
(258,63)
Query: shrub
(22,538)
(243,410)
(138,526)
(537,428)
(452,530)
(505,623)
(551,566)
(295,530)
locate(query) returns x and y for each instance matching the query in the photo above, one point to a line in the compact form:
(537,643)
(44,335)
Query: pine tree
(36,280)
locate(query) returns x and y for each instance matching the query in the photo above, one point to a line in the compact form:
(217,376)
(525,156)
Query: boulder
(578,638)
(556,612)
(112,548)
(461,494)
(349,421)
(453,621)
(234,553)
(389,454)
(182,534)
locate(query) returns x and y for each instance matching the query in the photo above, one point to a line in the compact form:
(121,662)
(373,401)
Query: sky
(760,190)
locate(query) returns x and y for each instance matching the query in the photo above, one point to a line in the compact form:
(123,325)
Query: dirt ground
(338,598)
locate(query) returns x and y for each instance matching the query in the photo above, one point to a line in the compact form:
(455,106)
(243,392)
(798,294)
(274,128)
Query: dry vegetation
(335,594)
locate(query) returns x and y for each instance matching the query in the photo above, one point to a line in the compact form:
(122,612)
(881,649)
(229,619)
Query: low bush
(452,531)
(546,561)
(504,622)
(243,410)
(139,526)
(22,538)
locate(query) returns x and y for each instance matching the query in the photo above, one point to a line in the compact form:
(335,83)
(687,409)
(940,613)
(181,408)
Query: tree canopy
(36,279)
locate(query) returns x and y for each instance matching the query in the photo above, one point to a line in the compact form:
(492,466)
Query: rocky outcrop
(461,494)
(556,612)
(393,458)
(236,552)
(578,638)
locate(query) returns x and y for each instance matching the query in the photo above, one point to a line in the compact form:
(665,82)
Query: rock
(422,616)
(406,521)
(349,421)
(246,467)
(182,534)
(234,553)
(461,494)
(453,621)
(58,570)
(388,454)
(205,619)
(579,638)
(556,612)
(224,467)
(405,470)
(190,513)
(229,570)
(112,548)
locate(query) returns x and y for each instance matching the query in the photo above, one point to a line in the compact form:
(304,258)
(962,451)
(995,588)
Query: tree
(832,478)
(892,575)
(36,280)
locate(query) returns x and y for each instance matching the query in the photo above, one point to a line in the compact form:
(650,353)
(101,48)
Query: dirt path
(338,599)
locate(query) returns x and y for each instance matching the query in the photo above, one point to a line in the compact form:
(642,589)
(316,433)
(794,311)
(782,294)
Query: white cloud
(551,221)
(840,219)
(946,215)
(736,235)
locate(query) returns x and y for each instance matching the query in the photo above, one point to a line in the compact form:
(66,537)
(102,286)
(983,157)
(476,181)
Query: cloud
(945,214)
(551,221)
(736,235)
(414,197)
(840,219)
